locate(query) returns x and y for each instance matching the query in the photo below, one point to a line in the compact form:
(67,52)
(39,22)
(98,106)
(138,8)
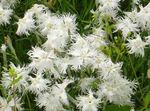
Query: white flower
(41,59)
(57,40)
(83,57)
(38,83)
(58,90)
(132,15)
(69,23)
(20,74)
(95,41)
(106,11)
(62,64)
(76,62)
(26,24)
(126,26)
(132,109)
(136,46)
(41,14)
(5,14)
(82,53)
(148,40)
(49,24)
(6,105)
(109,70)
(110,3)
(8,3)
(136,2)
(99,32)
(85,83)
(108,7)
(142,17)
(38,9)
(98,60)
(117,90)
(3,47)
(49,102)
(88,102)
(56,32)
(55,98)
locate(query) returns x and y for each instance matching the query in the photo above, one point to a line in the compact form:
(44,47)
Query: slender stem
(72,99)
(104,107)
(117,58)
(13,89)
(38,39)
(29,103)
(9,43)
(4,58)
(135,73)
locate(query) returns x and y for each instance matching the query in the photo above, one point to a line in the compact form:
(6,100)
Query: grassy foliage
(133,68)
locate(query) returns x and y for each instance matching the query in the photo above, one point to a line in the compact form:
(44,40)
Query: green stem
(71,99)
(14,94)
(117,57)
(135,74)
(4,58)
(104,107)
(9,43)
(29,103)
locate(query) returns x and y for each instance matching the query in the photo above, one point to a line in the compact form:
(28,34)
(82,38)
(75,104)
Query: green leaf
(16,80)
(117,108)
(147,109)
(147,100)
(12,73)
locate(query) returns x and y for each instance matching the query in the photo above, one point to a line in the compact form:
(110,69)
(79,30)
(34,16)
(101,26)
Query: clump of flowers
(6,11)
(130,24)
(56,65)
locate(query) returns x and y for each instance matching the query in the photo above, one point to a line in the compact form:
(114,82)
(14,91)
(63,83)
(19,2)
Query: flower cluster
(64,51)
(135,22)
(6,11)
(131,24)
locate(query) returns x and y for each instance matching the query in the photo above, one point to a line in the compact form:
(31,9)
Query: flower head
(7,105)
(136,46)
(5,14)
(26,24)
(88,102)
(126,26)
(17,74)
(38,84)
